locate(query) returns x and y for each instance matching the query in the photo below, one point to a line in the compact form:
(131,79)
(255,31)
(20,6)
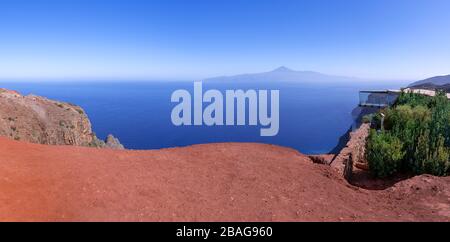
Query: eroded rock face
(41,120)
(113,143)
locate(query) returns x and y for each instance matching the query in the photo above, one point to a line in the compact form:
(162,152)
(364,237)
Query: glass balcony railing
(379,99)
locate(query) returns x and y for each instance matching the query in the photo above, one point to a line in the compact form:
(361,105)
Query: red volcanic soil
(214,182)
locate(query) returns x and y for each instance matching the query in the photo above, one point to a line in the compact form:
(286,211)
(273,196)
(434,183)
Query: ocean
(312,116)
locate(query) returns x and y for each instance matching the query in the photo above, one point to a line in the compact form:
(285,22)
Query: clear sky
(169,40)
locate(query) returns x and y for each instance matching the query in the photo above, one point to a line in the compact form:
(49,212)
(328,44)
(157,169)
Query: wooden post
(348,168)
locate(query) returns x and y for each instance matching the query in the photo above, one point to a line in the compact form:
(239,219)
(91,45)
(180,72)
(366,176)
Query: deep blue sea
(312,116)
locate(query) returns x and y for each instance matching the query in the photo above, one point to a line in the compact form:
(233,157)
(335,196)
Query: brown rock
(113,143)
(41,120)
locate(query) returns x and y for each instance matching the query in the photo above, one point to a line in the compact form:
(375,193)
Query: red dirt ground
(214,182)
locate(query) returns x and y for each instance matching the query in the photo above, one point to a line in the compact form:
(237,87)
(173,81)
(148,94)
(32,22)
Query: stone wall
(356,148)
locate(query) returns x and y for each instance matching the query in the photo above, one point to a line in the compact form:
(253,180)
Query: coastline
(205,182)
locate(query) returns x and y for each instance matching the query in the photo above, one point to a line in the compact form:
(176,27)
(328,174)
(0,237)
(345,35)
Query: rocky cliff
(41,120)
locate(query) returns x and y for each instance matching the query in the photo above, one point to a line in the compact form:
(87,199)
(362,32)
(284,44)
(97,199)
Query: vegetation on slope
(415,137)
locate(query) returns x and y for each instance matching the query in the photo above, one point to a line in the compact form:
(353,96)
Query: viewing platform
(378,99)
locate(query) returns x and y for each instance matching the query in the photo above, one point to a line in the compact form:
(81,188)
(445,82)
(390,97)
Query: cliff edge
(44,121)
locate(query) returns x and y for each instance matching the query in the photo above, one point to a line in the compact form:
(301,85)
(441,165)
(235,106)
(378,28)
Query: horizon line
(176,79)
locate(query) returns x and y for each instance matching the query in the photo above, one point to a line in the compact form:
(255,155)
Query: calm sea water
(312,116)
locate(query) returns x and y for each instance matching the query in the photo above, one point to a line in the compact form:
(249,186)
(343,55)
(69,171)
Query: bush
(375,120)
(367,118)
(384,153)
(413,99)
(429,159)
(422,124)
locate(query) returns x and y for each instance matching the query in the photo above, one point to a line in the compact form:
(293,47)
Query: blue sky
(181,40)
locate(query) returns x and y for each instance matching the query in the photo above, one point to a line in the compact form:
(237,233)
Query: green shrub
(367,118)
(376,120)
(422,124)
(430,159)
(413,99)
(384,153)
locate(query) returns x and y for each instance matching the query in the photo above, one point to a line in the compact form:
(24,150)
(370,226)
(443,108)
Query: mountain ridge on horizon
(286,74)
(436,80)
(433,83)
